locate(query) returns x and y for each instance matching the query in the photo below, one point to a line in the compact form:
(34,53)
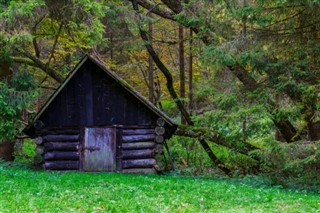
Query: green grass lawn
(24,190)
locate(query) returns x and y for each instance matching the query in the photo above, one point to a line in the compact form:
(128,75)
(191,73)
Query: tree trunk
(150,73)
(190,75)
(182,68)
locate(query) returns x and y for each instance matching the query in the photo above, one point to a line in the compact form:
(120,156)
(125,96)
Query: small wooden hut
(95,121)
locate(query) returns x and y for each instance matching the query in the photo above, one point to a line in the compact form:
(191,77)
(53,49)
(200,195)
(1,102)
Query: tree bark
(150,68)
(190,74)
(182,68)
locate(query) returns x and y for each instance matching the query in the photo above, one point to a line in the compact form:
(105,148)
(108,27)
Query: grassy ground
(24,190)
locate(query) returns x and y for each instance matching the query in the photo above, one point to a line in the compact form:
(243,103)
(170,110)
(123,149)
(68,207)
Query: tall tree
(172,91)
(190,74)
(151,68)
(182,67)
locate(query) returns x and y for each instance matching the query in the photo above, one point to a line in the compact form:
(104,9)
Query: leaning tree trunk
(173,93)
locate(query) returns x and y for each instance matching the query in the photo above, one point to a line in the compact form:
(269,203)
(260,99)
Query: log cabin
(95,121)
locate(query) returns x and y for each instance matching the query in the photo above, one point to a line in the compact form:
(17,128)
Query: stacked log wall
(59,149)
(138,150)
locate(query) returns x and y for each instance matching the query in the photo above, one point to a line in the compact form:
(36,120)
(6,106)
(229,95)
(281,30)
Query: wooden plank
(138,145)
(137,131)
(132,138)
(138,163)
(63,146)
(61,165)
(88,75)
(137,154)
(103,158)
(119,149)
(55,155)
(139,171)
(61,138)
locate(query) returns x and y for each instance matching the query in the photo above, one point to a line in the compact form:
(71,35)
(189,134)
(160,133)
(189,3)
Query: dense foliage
(15,96)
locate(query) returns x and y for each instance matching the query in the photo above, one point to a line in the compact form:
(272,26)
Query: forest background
(240,76)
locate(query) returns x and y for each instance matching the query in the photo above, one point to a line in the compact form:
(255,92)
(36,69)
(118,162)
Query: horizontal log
(40,150)
(138,145)
(132,138)
(63,146)
(61,165)
(38,140)
(160,122)
(61,138)
(139,171)
(137,154)
(140,163)
(159,149)
(61,155)
(137,131)
(159,139)
(159,130)
(60,132)
(37,159)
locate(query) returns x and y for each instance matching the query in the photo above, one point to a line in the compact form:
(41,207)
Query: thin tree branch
(55,44)
(51,72)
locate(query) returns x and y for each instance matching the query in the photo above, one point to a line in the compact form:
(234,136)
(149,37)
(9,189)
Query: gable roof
(114,76)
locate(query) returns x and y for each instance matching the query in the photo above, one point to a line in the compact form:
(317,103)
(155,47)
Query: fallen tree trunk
(213,136)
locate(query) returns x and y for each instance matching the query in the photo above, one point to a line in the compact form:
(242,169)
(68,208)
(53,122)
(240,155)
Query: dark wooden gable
(91,97)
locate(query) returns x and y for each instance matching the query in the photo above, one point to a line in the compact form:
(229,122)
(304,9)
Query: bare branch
(51,72)
(55,44)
